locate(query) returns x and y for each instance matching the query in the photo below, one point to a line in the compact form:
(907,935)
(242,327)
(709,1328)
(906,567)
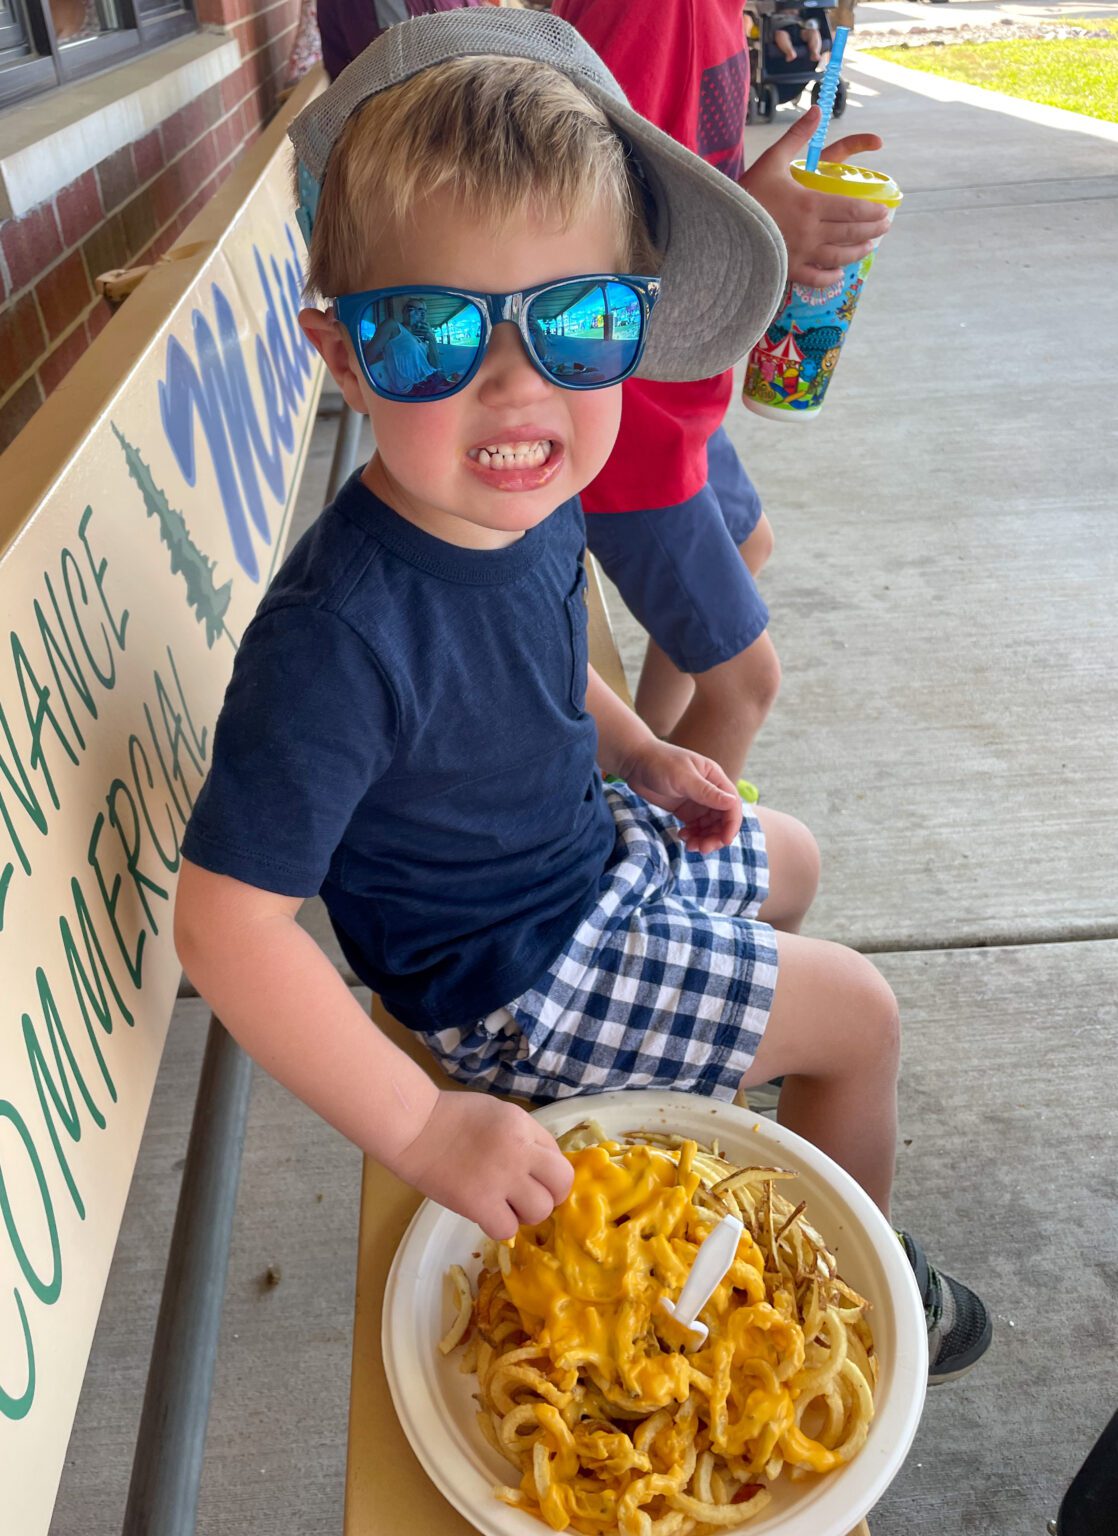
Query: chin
(516,511)
(521,514)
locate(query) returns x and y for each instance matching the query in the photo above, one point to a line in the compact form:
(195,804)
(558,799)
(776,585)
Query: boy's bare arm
(622,734)
(692,787)
(285,1004)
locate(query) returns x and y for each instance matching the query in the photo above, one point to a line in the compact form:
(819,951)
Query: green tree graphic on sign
(208,601)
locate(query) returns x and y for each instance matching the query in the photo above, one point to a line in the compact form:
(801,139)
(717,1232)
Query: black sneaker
(959,1326)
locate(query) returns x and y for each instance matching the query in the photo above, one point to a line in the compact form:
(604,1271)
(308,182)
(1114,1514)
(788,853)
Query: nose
(507,375)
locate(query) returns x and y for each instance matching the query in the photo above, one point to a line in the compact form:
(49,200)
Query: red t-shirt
(683,64)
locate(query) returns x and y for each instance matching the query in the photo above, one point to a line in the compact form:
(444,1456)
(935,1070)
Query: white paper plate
(433,1398)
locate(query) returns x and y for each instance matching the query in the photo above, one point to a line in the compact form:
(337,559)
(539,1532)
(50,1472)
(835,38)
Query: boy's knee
(765,677)
(879,1017)
(747,683)
(794,863)
(808,860)
(757,549)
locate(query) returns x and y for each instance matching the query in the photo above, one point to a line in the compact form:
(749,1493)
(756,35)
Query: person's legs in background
(664,692)
(686,573)
(727,704)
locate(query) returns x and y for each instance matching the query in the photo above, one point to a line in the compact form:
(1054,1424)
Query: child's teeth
(514,455)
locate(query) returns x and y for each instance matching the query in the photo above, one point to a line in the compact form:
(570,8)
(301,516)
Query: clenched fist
(487,1160)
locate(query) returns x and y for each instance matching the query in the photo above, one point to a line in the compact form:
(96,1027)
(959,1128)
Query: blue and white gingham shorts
(667,982)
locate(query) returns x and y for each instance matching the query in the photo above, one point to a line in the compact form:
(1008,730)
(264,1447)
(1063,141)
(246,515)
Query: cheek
(413,440)
(595,417)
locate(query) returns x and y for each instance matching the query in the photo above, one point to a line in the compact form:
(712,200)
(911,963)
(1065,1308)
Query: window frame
(47,66)
(16,24)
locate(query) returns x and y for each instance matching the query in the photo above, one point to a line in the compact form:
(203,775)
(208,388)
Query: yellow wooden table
(387,1491)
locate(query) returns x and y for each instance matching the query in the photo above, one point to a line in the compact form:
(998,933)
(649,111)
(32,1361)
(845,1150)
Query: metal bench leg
(346,444)
(167,1469)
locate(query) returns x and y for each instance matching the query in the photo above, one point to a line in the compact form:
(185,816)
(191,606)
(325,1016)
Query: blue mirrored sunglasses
(426,343)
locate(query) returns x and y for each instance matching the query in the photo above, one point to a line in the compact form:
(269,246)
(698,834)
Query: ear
(332,342)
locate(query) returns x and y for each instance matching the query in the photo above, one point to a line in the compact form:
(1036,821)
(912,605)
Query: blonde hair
(504,135)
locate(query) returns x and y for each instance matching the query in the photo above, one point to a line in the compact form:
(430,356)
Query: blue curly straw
(827,96)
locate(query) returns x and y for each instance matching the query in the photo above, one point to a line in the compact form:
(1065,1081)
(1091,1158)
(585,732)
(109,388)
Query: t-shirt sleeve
(308,725)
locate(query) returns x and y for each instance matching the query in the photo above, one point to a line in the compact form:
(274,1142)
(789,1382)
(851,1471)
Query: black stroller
(773,77)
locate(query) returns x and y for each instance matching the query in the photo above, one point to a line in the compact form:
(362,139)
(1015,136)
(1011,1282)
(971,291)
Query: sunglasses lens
(420,346)
(585,333)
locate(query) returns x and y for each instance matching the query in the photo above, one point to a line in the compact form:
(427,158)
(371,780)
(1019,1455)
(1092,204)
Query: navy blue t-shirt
(405,732)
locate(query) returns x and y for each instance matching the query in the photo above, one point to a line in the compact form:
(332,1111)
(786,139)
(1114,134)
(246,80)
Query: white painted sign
(144,509)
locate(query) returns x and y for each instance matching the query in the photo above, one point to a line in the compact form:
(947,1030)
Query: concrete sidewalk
(942,599)
(946,550)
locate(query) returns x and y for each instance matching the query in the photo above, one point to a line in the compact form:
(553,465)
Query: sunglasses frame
(495,307)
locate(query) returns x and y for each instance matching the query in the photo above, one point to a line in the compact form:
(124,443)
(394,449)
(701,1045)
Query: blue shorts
(678,568)
(666,983)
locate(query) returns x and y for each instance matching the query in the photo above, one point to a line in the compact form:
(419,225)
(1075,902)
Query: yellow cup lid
(848,181)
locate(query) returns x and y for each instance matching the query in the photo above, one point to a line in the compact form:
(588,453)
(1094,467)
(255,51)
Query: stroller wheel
(768,100)
(751,113)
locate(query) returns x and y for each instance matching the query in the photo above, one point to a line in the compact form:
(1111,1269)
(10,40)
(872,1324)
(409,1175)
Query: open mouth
(517,455)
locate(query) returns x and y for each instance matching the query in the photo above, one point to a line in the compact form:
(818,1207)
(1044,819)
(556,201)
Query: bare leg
(759,545)
(720,712)
(663,692)
(793,869)
(834,1035)
(730,705)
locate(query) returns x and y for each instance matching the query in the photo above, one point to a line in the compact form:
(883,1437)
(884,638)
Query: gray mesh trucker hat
(723,263)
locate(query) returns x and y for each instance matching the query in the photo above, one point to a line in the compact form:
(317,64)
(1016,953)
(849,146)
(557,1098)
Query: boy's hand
(487,1160)
(692,788)
(823,232)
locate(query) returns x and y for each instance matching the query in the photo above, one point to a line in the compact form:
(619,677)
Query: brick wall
(128,210)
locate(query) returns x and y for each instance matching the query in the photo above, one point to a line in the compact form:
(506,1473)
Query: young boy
(673,518)
(411,728)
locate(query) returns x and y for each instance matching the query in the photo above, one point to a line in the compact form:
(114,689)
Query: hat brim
(724,266)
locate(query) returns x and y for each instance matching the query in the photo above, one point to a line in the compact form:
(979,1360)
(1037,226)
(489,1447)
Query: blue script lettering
(218,389)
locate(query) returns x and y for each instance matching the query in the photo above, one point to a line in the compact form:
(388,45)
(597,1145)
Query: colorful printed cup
(791,367)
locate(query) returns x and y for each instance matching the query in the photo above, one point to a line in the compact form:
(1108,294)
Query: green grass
(1078,74)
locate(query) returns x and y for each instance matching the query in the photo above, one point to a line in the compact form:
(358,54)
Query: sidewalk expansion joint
(1098,933)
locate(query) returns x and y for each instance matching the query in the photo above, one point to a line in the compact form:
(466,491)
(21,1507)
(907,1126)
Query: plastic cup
(791,367)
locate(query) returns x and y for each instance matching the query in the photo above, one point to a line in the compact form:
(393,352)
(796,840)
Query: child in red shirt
(673,518)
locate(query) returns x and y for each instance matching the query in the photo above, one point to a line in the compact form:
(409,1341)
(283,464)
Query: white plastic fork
(716,1253)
